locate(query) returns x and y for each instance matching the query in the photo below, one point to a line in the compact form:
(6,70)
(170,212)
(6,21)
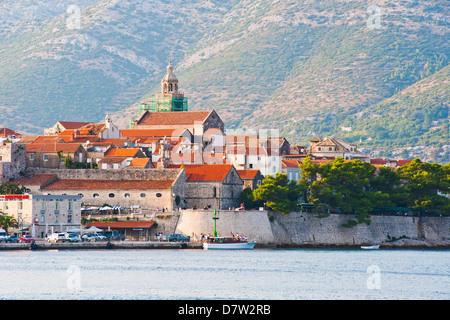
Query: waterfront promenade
(44,245)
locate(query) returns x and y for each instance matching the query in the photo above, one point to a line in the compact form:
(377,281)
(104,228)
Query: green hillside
(308,68)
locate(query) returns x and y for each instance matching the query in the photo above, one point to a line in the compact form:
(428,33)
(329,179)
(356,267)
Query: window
(158,195)
(214,192)
(127,195)
(142,195)
(95,195)
(45,157)
(80,194)
(111,195)
(70,205)
(329,148)
(42,220)
(32,156)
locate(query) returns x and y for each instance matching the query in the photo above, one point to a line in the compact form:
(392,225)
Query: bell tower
(169,84)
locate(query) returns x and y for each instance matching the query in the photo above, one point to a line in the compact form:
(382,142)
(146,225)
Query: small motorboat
(227,243)
(373,247)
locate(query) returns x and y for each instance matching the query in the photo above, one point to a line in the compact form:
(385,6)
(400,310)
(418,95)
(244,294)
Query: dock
(102,245)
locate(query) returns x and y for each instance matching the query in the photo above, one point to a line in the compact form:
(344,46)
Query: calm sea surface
(197,274)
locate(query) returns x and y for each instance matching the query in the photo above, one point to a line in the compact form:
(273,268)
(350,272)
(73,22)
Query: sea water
(275,274)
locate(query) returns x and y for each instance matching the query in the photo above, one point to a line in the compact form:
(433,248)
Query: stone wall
(12,163)
(253,224)
(305,229)
(122,174)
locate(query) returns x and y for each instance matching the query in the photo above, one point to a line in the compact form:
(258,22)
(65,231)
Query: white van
(3,235)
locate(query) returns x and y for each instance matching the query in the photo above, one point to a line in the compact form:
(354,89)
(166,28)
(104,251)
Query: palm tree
(7,222)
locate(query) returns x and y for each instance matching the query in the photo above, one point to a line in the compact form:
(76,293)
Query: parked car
(176,237)
(26,238)
(93,237)
(57,237)
(72,237)
(113,235)
(12,239)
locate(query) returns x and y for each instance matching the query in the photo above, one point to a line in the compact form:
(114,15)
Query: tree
(422,182)
(7,222)
(278,193)
(12,188)
(246,197)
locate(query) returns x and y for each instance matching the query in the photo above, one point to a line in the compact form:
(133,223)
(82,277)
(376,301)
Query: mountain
(375,75)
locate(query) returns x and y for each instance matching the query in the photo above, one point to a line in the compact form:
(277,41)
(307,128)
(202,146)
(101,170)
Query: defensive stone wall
(306,229)
(121,174)
(255,225)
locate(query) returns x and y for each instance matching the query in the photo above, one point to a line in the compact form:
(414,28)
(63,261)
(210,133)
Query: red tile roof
(152,133)
(247,174)
(100,184)
(401,163)
(205,172)
(52,147)
(139,162)
(72,125)
(37,179)
(380,162)
(290,163)
(173,118)
(121,224)
(122,152)
(5,132)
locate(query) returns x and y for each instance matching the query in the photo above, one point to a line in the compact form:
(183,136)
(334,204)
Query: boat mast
(215,218)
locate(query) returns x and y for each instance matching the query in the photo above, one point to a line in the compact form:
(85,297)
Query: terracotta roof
(289,163)
(151,133)
(94,128)
(139,162)
(380,162)
(103,184)
(205,172)
(72,125)
(173,118)
(213,131)
(48,139)
(112,160)
(5,132)
(77,132)
(106,142)
(52,147)
(121,224)
(401,163)
(37,179)
(122,152)
(28,139)
(247,174)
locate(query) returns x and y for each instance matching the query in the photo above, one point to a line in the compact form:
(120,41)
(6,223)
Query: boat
(227,243)
(374,247)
